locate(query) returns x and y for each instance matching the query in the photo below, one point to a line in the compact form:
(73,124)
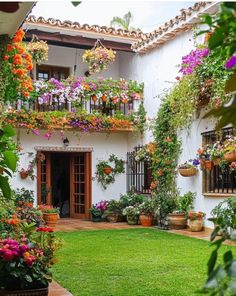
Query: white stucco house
(149,58)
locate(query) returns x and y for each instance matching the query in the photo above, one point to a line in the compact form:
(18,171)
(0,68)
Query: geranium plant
(98,58)
(196,215)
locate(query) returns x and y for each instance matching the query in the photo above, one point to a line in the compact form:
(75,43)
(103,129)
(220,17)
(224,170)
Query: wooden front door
(80,176)
(80,183)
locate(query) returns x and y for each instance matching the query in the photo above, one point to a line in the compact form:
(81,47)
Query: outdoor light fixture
(66,142)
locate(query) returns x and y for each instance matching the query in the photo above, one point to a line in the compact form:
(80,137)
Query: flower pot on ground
(132,214)
(177,220)
(184,203)
(98,210)
(147,210)
(50,215)
(114,211)
(196,221)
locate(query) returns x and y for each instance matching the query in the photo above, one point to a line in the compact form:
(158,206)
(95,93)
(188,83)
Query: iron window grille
(217,180)
(139,174)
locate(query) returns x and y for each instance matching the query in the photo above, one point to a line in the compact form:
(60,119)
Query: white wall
(68,57)
(103,145)
(158,70)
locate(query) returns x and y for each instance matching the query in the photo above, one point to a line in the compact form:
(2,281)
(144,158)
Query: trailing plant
(116,166)
(182,98)
(139,118)
(38,50)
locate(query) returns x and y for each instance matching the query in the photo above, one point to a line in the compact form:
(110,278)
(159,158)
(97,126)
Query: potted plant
(229,148)
(98,210)
(132,214)
(204,158)
(25,263)
(184,203)
(216,153)
(50,214)
(189,168)
(196,221)
(114,211)
(147,210)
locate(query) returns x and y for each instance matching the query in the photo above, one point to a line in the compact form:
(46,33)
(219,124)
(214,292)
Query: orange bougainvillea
(15,66)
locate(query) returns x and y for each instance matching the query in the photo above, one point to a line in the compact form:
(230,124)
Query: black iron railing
(107,108)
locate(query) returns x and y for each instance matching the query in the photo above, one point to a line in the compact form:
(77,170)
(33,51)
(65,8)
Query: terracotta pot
(94,98)
(107,170)
(132,221)
(196,225)
(217,161)
(50,219)
(230,156)
(23,174)
(33,292)
(113,218)
(125,101)
(209,165)
(146,220)
(177,220)
(104,98)
(188,172)
(202,164)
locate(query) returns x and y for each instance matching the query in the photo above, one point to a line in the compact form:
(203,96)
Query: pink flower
(36,132)
(48,135)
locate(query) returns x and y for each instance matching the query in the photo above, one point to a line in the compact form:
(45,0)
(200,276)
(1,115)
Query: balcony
(87,105)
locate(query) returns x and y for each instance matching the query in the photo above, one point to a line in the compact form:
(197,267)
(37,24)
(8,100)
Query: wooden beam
(75,41)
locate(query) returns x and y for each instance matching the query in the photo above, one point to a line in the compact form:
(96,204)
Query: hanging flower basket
(38,50)
(98,58)
(107,170)
(187,172)
(230,156)
(23,174)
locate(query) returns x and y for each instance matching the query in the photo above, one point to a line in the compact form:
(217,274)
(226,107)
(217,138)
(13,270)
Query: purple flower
(36,132)
(231,62)
(48,135)
(195,162)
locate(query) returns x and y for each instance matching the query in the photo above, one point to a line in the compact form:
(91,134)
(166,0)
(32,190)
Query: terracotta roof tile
(172,28)
(136,35)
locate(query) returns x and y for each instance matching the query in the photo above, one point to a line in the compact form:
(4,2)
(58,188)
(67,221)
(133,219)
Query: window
(45,72)
(217,180)
(139,174)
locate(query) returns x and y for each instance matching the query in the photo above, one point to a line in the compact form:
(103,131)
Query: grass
(132,262)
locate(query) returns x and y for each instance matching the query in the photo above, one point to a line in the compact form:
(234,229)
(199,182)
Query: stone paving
(75,224)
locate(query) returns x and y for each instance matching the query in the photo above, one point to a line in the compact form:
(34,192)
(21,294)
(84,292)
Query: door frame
(88,181)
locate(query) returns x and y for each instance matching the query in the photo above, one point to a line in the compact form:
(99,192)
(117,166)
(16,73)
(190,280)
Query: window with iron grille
(218,180)
(139,174)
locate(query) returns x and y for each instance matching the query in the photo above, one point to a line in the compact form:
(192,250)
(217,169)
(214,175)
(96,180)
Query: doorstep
(56,290)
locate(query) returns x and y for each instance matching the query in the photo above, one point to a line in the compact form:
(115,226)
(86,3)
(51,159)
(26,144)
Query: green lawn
(131,262)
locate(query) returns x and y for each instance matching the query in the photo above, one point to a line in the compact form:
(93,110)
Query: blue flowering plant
(191,163)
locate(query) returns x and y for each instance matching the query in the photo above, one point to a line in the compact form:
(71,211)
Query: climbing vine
(164,159)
